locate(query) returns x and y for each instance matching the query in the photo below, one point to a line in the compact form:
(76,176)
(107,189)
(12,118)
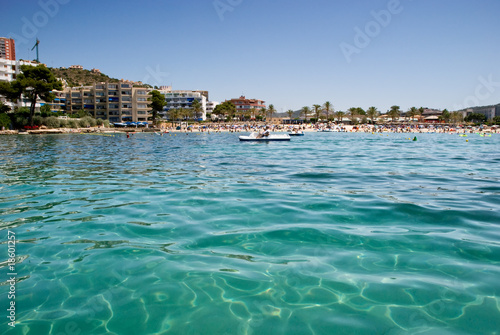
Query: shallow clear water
(330,233)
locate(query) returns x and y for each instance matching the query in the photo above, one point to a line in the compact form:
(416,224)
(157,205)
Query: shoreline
(240,128)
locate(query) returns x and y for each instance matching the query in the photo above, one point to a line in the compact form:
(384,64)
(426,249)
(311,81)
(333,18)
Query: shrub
(63,123)
(99,122)
(87,121)
(71,124)
(51,122)
(19,121)
(37,120)
(5,121)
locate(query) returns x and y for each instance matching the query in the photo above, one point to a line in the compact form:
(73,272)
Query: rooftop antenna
(36,46)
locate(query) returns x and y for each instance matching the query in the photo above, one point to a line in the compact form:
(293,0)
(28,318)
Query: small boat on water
(273,137)
(328,130)
(296,133)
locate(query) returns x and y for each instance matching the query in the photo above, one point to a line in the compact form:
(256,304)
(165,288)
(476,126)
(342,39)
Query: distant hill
(78,77)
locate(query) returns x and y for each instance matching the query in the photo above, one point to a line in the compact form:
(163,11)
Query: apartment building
(7,48)
(211,107)
(9,70)
(116,102)
(244,105)
(489,111)
(184,99)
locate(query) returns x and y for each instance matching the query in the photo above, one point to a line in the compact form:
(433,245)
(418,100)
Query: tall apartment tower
(7,48)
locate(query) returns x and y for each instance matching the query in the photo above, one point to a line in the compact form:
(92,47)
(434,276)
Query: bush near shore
(19,120)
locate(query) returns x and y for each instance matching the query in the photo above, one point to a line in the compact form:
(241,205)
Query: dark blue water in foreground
(331,233)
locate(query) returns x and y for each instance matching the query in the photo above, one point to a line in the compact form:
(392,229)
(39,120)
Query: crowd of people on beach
(400,128)
(260,127)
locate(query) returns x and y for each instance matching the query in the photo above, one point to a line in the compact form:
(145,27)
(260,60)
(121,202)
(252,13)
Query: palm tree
(173,114)
(394,113)
(372,113)
(306,111)
(197,108)
(262,112)
(457,117)
(317,111)
(271,111)
(353,113)
(290,114)
(327,107)
(412,112)
(340,116)
(252,113)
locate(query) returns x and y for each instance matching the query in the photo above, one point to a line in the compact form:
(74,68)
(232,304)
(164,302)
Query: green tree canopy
(305,111)
(394,113)
(157,104)
(227,108)
(317,111)
(353,114)
(271,111)
(4,121)
(340,116)
(475,118)
(33,82)
(4,108)
(412,112)
(372,113)
(445,116)
(327,108)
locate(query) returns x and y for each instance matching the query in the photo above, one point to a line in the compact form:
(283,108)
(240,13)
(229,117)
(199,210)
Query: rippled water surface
(330,233)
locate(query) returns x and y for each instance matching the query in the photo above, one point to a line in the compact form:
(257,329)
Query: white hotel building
(184,99)
(9,69)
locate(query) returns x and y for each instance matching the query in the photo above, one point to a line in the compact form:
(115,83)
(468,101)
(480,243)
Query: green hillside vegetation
(77,77)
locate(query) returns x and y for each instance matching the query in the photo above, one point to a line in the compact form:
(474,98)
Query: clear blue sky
(291,53)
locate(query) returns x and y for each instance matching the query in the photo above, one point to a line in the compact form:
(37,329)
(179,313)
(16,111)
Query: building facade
(7,48)
(9,70)
(211,107)
(244,105)
(489,111)
(115,102)
(184,99)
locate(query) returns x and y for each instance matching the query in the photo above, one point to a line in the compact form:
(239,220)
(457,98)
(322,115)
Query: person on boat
(264,132)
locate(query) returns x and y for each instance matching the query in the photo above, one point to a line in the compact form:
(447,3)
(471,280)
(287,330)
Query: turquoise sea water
(330,233)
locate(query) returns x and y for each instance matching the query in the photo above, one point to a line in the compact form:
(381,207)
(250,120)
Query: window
(142,106)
